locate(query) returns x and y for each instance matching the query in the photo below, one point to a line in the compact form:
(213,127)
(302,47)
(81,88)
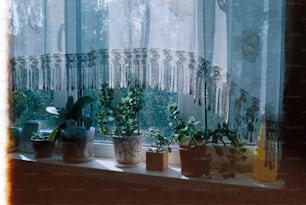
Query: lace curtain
(229,52)
(159,43)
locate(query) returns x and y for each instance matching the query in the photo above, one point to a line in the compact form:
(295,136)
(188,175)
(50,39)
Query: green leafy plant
(186,132)
(28,105)
(194,155)
(160,143)
(119,115)
(39,136)
(236,149)
(221,132)
(237,152)
(73,110)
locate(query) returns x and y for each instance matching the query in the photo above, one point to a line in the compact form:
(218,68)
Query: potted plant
(42,145)
(233,153)
(236,154)
(77,139)
(157,156)
(119,117)
(194,155)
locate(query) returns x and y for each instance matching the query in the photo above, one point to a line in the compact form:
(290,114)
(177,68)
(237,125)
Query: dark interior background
(294,134)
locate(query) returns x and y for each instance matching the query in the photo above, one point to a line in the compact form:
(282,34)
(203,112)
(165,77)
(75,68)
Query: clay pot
(42,148)
(157,161)
(195,162)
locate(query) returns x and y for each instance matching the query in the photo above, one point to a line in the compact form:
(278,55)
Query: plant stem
(138,113)
(116,107)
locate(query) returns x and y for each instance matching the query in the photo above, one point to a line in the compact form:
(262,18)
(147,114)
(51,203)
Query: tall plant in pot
(74,130)
(119,117)
(194,155)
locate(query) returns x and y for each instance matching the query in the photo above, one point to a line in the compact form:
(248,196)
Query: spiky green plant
(73,110)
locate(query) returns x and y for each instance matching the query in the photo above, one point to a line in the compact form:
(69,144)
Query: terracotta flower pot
(195,162)
(127,150)
(157,161)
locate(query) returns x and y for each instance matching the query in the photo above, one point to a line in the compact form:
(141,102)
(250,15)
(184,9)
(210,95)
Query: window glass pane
(163,43)
(153,115)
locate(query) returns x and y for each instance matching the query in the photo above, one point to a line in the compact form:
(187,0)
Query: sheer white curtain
(255,63)
(37,44)
(159,43)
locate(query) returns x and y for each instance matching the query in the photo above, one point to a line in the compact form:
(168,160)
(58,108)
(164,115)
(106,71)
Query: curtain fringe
(163,69)
(167,70)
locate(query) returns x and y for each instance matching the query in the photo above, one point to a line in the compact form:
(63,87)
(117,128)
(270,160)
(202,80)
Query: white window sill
(107,165)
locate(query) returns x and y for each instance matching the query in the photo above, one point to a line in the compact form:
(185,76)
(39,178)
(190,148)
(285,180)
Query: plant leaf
(79,105)
(53,137)
(52,110)
(87,121)
(69,104)
(243,158)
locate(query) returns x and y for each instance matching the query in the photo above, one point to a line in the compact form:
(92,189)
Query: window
(152,115)
(219,60)
(30,105)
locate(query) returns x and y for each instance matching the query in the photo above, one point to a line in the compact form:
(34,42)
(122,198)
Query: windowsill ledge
(139,174)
